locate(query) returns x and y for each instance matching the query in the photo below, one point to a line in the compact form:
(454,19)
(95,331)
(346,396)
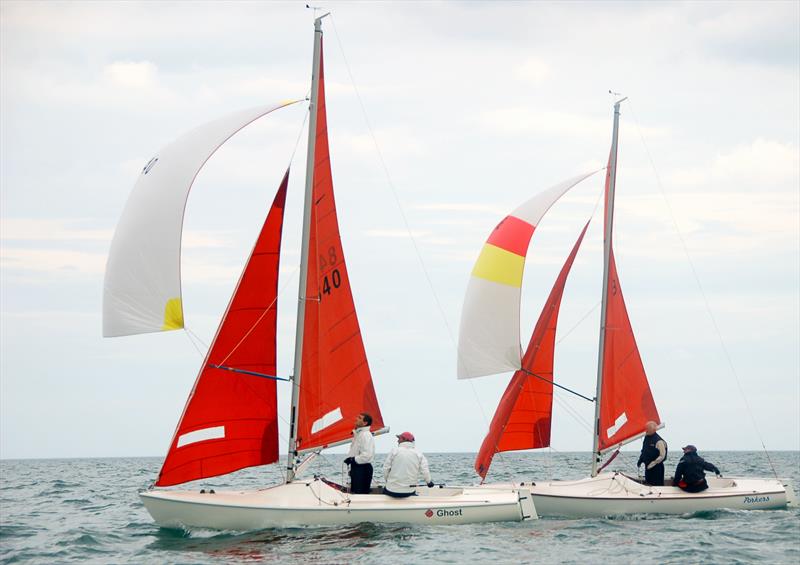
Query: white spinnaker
(142,288)
(489,333)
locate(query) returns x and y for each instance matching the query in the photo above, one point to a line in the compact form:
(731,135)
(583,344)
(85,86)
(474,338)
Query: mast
(609,224)
(301,293)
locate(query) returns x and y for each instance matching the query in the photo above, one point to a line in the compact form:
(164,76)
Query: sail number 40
(335,281)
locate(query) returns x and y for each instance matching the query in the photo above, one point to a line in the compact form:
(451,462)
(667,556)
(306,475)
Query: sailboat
(230,420)
(489,343)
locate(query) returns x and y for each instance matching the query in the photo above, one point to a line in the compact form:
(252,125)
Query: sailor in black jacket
(689,474)
(654,452)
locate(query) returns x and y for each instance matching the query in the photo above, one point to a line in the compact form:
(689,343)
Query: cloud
(55,262)
(757,36)
(70,230)
(763,165)
(523,119)
(34,229)
(71,251)
(396,234)
(532,71)
(462,207)
(129,74)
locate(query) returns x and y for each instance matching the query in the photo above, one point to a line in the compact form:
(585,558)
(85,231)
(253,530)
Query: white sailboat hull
(610,494)
(315,503)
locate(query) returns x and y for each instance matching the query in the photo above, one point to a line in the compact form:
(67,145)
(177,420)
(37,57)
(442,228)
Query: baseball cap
(690,447)
(406,436)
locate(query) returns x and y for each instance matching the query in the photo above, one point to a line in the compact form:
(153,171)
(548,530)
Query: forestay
(142,288)
(489,334)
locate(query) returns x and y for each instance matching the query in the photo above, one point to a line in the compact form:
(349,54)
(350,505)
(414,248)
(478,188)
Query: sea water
(88,511)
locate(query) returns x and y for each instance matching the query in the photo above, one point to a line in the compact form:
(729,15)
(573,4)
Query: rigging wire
(416,248)
(572,411)
(702,290)
(293,272)
(261,317)
(407,226)
(192,337)
(403,216)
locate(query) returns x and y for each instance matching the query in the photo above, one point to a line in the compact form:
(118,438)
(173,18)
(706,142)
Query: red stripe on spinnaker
(512,234)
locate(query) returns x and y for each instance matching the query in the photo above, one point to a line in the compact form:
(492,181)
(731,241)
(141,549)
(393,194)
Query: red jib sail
(626,403)
(230,419)
(335,384)
(524,414)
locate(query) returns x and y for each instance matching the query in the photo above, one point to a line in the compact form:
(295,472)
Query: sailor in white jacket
(360,456)
(403,466)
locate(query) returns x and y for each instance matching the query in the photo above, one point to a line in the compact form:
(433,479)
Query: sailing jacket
(403,466)
(363,447)
(690,469)
(654,451)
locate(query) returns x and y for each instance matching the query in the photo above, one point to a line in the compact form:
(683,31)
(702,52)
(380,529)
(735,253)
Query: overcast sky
(474,107)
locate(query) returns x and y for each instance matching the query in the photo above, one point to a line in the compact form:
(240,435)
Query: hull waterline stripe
(336,508)
(659,497)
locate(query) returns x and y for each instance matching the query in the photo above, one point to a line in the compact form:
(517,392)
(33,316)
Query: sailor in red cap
(403,466)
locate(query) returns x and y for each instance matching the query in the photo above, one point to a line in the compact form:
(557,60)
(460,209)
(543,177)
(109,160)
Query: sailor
(403,466)
(654,452)
(361,454)
(689,475)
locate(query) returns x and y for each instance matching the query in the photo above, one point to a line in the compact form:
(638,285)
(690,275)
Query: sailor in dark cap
(689,474)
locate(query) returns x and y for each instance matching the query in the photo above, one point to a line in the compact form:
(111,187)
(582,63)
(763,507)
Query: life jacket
(649,449)
(693,471)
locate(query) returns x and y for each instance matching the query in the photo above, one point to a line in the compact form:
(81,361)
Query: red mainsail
(335,384)
(626,403)
(230,419)
(524,414)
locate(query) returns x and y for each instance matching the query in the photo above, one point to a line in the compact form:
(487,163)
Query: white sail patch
(216,432)
(618,423)
(328,419)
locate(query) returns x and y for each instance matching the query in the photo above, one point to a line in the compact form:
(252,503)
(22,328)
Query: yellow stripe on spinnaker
(173,315)
(500,266)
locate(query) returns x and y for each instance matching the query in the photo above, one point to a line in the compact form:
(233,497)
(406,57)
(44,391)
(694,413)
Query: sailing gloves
(349,460)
